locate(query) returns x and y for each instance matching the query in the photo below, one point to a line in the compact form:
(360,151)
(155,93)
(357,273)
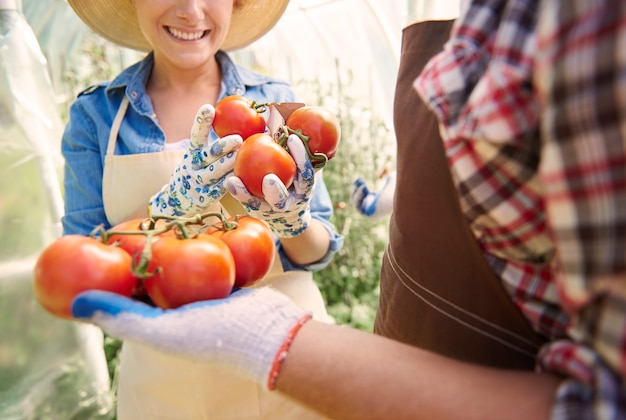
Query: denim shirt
(91,116)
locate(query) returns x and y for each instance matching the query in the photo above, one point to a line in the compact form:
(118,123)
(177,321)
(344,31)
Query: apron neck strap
(115,127)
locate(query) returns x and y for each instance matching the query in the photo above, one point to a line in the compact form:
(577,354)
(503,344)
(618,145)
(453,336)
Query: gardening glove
(286,211)
(249,331)
(198,180)
(374,204)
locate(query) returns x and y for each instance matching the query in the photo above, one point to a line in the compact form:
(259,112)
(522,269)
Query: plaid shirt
(531,97)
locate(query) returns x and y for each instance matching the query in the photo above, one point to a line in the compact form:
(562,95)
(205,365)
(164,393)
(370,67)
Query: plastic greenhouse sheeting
(49,368)
(349,48)
(345,48)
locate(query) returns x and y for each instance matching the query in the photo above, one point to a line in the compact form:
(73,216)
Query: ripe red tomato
(252,245)
(189,270)
(236,114)
(320,125)
(75,263)
(260,155)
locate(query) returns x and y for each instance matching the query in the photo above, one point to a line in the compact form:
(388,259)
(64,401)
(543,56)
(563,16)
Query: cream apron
(153,385)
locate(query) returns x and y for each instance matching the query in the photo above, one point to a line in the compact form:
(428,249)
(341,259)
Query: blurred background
(342,54)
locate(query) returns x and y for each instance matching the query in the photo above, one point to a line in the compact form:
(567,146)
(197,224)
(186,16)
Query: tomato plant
(75,263)
(189,270)
(252,245)
(321,130)
(261,155)
(236,114)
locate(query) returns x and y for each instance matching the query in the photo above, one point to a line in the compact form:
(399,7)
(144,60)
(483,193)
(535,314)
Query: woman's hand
(198,180)
(287,211)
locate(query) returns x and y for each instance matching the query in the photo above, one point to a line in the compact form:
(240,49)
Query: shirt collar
(235,79)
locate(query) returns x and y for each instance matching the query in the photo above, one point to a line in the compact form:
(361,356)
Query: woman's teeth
(187,36)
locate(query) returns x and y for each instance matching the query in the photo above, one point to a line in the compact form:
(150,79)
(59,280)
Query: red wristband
(283,350)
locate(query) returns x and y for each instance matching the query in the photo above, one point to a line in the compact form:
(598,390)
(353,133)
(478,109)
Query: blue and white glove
(374,204)
(249,331)
(286,211)
(198,180)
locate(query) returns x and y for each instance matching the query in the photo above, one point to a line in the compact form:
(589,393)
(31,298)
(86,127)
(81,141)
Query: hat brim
(116,21)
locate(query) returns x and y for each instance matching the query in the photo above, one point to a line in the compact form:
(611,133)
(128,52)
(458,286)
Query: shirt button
(133,94)
(236,90)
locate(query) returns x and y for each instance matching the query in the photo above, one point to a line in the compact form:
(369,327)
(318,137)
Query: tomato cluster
(264,153)
(173,262)
(159,258)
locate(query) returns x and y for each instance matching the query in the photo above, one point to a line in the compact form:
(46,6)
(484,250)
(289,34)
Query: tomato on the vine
(75,263)
(189,270)
(322,128)
(252,246)
(261,155)
(134,243)
(236,114)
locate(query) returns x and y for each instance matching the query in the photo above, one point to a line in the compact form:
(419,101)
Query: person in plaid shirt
(529,96)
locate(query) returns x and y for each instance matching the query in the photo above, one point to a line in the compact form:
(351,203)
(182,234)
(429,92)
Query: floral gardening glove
(286,211)
(250,331)
(198,181)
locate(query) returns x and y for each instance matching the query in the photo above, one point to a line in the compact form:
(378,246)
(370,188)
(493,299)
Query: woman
(126,138)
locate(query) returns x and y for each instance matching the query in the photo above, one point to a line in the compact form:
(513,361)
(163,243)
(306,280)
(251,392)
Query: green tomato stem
(318,160)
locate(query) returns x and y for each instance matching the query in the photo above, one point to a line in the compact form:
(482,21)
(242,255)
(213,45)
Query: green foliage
(350,282)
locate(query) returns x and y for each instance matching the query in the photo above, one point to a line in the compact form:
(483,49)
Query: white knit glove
(250,331)
(286,211)
(198,180)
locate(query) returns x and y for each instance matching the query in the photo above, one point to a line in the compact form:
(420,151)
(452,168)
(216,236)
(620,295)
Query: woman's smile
(185,35)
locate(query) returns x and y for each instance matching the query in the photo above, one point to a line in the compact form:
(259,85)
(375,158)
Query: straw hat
(116,20)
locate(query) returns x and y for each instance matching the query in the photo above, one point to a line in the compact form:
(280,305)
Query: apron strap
(115,127)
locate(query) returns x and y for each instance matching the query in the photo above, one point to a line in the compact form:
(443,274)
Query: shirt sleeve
(84,209)
(322,210)
(580,80)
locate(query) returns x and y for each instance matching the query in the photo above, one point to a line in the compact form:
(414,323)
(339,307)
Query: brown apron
(437,291)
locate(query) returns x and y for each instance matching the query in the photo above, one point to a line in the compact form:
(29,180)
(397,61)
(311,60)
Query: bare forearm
(350,374)
(308,247)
